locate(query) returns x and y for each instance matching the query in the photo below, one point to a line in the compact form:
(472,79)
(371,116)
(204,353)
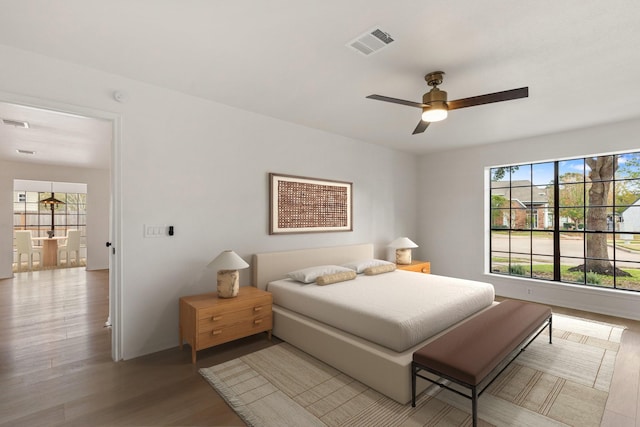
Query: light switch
(155,230)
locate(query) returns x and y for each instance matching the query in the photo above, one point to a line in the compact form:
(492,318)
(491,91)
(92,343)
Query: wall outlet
(529,291)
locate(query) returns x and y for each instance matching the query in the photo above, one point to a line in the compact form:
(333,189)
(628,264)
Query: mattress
(396,310)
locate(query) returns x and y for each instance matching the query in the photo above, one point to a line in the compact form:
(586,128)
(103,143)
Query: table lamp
(403,246)
(227,265)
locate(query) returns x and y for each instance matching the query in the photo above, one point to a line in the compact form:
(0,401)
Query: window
(30,214)
(574,221)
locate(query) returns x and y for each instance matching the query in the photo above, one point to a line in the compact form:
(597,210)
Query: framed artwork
(299,204)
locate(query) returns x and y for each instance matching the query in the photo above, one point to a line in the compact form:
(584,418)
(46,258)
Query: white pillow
(309,275)
(361,265)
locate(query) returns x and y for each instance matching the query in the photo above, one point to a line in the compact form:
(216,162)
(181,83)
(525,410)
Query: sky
(541,174)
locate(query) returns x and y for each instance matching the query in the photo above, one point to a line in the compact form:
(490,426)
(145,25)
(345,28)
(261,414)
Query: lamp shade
(402,243)
(227,260)
(51,201)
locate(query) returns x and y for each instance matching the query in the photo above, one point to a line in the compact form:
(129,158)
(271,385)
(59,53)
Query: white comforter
(396,310)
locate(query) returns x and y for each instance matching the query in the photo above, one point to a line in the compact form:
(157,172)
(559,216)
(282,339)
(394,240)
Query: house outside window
(574,221)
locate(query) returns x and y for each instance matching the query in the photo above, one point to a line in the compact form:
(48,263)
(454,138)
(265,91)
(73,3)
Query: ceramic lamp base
(403,256)
(228,283)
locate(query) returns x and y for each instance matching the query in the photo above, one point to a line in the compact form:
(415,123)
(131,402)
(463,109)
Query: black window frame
(507,218)
(62,214)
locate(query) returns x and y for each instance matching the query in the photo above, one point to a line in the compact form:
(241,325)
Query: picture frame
(299,204)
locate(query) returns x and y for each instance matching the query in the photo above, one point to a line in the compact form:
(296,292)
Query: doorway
(53,142)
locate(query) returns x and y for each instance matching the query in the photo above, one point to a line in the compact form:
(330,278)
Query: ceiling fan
(435,105)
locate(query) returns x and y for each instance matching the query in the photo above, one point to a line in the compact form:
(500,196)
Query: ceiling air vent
(16,123)
(370,42)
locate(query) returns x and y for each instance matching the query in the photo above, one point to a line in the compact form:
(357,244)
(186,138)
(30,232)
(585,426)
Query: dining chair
(72,244)
(24,246)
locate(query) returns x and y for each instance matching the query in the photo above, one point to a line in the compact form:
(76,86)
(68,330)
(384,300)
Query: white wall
(97,208)
(452,232)
(203,168)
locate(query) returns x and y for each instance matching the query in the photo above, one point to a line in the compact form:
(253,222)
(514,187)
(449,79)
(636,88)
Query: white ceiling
(287,59)
(56,138)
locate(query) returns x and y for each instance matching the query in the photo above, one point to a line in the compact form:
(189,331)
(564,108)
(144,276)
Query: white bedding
(396,310)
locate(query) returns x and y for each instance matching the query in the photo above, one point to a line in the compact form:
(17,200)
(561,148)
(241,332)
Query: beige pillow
(379,269)
(343,276)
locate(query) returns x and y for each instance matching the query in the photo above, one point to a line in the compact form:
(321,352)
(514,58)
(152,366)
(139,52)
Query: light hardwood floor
(56,368)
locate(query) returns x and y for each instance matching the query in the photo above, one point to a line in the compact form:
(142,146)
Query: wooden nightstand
(418,266)
(206,320)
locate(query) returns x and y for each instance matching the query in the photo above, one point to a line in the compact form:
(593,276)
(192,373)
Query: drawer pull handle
(257,308)
(257,321)
(216,332)
(424,269)
(216,318)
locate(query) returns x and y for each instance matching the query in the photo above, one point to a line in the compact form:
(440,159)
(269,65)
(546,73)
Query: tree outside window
(591,210)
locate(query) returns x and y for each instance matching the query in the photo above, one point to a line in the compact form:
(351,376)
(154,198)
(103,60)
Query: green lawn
(545,272)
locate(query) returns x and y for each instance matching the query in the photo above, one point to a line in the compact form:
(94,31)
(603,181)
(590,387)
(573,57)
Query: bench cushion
(470,351)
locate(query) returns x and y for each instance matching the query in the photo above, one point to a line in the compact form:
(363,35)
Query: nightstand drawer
(212,319)
(229,332)
(234,304)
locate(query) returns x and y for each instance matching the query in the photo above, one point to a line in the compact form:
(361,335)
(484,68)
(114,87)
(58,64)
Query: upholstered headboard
(271,266)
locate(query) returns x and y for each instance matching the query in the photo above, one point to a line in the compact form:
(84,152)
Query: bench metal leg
(550,324)
(474,405)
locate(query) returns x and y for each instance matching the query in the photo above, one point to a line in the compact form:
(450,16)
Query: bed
(347,344)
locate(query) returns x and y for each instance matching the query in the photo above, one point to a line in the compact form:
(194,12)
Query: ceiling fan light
(434,114)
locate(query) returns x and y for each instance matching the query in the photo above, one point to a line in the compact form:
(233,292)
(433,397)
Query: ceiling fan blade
(422,126)
(505,95)
(397,101)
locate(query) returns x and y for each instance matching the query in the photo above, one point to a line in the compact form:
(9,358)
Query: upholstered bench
(475,352)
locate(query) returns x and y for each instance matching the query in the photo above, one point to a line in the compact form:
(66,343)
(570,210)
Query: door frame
(115,203)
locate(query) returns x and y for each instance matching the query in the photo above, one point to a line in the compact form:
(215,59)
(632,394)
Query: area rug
(566,383)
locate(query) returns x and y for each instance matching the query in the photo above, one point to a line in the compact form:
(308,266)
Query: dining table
(49,249)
